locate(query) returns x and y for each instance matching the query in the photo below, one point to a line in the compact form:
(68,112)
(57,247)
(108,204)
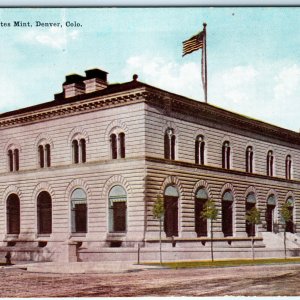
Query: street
(275,280)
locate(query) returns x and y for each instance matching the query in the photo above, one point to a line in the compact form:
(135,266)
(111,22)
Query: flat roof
(211,111)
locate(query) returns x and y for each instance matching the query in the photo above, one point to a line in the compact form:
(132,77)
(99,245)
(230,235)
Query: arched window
(199,150)
(44,213)
(44,155)
(117,209)
(270,163)
(79,211)
(226,155)
(288,167)
(227,211)
(13,214)
(249,159)
(171,211)
(250,203)
(270,218)
(79,150)
(13,159)
(117,145)
(170,144)
(200,223)
(289,226)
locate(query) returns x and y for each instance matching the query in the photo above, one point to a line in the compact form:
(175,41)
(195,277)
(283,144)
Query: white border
(125,3)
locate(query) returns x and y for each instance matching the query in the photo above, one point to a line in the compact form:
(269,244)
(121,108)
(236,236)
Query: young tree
(253,217)
(210,212)
(286,215)
(158,211)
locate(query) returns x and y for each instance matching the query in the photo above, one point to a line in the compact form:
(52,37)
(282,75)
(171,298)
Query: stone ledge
(205,239)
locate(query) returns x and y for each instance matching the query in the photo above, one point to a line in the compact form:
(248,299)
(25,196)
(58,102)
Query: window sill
(43,235)
(117,233)
(78,234)
(11,236)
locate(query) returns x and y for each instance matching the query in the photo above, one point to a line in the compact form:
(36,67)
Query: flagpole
(204,57)
(195,43)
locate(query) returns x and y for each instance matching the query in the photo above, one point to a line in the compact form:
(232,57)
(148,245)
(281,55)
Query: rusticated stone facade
(79,175)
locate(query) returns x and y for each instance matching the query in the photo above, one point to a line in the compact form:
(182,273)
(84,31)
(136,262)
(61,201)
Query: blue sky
(253,55)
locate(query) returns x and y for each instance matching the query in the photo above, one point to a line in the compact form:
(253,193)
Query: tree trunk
(284,240)
(252,246)
(160,254)
(252,240)
(211,240)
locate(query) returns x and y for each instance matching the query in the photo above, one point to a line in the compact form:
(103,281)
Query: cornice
(61,110)
(171,104)
(241,174)
(175,105)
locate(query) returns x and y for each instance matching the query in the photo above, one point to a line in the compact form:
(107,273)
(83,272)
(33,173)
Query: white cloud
(239,75)
(287,83)
(236,83)
(184,79)
(55,37)
(268,92)
(10,94)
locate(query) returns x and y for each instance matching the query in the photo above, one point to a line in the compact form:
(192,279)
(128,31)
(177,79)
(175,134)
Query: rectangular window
(41,156)
(80,218)
(75,152)
(122,144)
(119,214)
(83,150)
(173,143)
(228,158)
(197,152)
(251,163)
(202,146)
(48,155)
(114,151)
(10,160)
(167,147)
(16,155)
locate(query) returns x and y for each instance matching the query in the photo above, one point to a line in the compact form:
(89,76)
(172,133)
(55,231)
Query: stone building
(79,176)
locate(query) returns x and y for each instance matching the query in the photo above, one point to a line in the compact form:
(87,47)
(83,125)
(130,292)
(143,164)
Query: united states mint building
(79,176)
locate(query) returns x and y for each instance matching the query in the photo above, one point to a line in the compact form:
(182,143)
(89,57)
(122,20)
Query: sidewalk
(82,267)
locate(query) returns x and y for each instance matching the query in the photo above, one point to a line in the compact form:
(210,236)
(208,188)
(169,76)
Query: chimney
(73,85)
(95,80)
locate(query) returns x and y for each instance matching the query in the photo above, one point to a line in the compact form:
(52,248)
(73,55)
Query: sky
(253,55)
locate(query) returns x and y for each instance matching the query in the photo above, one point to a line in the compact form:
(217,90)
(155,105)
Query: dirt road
(246,281)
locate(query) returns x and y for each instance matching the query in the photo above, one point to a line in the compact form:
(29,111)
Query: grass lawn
(226,263)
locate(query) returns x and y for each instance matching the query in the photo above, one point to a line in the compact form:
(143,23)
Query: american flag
(196,42)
